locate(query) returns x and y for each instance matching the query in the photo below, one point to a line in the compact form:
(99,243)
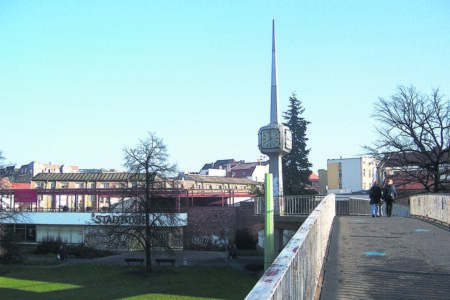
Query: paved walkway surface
(184,257)
(387,258)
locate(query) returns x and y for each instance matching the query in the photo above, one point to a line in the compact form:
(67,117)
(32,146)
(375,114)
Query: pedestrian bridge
(354,256)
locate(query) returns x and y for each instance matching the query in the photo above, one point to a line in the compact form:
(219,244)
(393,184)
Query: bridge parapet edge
(295,272)
(431,206)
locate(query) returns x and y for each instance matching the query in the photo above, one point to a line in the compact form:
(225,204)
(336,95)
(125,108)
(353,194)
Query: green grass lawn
(90,281)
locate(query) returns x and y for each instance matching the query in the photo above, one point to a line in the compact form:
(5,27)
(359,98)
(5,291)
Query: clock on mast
(275,139)
(270,139)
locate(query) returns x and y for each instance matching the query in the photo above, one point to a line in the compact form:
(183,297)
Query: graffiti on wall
(208,241)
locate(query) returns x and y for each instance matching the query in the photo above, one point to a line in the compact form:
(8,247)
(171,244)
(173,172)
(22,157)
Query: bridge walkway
(386,258)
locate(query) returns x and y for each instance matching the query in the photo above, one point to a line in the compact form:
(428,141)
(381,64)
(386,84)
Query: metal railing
(352,206)
(291,205)
(346,205)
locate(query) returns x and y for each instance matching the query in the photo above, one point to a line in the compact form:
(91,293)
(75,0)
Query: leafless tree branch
(149,214)
(414,134)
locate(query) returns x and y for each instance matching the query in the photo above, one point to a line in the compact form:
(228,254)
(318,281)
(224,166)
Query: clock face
(270,138)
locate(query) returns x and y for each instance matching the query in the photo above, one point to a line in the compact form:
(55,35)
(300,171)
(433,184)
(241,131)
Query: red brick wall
(210,227)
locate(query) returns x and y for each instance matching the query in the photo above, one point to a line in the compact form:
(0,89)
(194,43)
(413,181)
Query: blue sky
(81,80)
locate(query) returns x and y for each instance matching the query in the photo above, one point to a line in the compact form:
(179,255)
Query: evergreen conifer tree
(296,165)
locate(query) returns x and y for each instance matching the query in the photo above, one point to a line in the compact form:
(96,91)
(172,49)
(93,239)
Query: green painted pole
(269,240)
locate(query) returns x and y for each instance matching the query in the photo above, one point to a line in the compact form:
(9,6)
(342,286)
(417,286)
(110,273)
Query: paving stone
(387,258)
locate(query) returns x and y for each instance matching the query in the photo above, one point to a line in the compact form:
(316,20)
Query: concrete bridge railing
(295,272)
(431,206)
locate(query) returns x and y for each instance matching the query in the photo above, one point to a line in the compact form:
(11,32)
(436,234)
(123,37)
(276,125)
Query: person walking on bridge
(375,196)
(389,195)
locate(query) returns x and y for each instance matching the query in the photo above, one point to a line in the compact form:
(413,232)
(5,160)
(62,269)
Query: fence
(291,205)
(353,206)
(359,206)
(347,205)
(305,204)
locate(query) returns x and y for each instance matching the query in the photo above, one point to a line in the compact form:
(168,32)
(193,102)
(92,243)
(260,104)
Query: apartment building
(348,175)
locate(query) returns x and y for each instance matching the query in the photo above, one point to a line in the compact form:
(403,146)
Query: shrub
(82,251)
(244,240)
(9,251)
(48,246)
(78,251)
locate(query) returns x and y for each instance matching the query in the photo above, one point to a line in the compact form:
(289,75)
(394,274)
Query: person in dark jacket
(375,196)
(389,196)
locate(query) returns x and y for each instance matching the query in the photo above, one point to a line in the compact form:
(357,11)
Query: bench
(134,259)
(165,260)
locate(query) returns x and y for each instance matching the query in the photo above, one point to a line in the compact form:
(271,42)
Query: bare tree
(7,216)
(5,191)
(149,209)
(414,136)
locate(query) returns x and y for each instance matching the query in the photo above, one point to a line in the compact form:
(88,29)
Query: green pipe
(269,240)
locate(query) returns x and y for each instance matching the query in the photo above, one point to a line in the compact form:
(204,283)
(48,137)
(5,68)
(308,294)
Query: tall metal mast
(275,138)
(274,103)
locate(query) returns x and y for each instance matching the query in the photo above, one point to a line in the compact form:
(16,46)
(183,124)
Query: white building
(348,175)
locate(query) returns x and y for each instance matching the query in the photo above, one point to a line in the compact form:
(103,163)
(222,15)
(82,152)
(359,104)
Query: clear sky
(81,80)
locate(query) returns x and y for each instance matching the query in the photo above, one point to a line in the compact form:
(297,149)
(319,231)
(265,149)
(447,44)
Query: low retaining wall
(431,206)
(295,272)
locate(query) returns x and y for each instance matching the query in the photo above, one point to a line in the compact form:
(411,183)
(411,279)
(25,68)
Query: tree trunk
(437,180)
(148,245)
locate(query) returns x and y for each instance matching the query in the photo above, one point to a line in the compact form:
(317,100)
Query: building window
(23,232)
(161,239)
